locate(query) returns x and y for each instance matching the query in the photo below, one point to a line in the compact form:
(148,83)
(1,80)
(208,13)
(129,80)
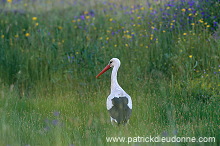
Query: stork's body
(119,103)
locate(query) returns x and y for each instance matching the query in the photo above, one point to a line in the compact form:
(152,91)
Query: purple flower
(56,113)
(55,122)
(82,17)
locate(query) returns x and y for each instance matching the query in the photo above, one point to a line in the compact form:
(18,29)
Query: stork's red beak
(104,70)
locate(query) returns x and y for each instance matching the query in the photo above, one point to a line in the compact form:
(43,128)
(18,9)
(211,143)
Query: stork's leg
(113,121)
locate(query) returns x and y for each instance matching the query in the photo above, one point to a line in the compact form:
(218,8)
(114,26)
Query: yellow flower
(36,24)
(73,21)
(110,19)
(151,8)
(115,45)
(208,26)
(16,36)
(9,1)
(192,24)
(60,27)
(201,21)
(184,33)
(183,10)
(190,56)
(27,34)
(168,8)
(126,45)
(34,18)
(164,31)
(2,36)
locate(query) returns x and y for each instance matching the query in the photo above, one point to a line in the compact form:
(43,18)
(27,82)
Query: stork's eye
(110,62)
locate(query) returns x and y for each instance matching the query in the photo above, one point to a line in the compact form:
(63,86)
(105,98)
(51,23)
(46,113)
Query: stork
(119,103)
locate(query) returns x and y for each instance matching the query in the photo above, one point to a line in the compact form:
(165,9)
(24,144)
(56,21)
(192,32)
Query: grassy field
(51,51)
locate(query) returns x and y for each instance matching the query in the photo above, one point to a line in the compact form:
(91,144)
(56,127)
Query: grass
(51,52)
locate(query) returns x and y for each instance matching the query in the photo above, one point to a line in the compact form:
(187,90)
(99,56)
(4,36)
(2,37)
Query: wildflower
(183,10)
(190,56)
(151,8)
(2,36)
(56,113)
(9,1)
(27,34)
(87,17)
(77,53)
(60,27)
(73,21)
(184,33)
(208,26)
(192,24)
(201,21)
(168,8)
(16,36)
(36,24)
(34,18)
(126,45)
(115,45)
(110,19)
(190,14)
(164,31)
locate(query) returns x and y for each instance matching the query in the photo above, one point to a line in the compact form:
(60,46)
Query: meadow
(51,51)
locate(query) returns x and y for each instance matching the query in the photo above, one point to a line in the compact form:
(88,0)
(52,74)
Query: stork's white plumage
(119,103)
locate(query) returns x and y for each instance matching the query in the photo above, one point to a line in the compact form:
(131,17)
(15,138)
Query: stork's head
(112,63)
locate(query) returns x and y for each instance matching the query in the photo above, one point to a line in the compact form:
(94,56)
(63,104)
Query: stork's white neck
(114,82)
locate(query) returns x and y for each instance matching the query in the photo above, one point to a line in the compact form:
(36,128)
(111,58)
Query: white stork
(119,103)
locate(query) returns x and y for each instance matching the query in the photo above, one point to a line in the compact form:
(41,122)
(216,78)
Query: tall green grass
(49,94)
